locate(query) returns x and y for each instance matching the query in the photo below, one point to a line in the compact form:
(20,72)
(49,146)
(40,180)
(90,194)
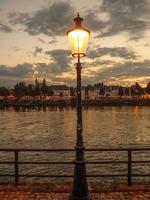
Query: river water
(56,128)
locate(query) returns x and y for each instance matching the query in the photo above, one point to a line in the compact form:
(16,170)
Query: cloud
(60,63)
(109,18)
(92,20)
(20,70)
(125,69)
(127,15)
(37,50)
(5,28)
(61,60)
(9,82)
(118,16)
(114,52)
(110,72)
(50,21)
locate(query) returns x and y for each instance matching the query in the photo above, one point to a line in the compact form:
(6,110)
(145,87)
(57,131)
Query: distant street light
(78,39)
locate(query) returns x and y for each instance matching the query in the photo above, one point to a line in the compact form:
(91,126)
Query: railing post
(16,168)
(129,167)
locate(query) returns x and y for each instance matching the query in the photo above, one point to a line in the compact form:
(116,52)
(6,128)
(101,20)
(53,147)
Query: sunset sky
(33,41)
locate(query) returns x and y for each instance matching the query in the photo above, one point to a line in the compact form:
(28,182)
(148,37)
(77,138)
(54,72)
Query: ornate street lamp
(78,39)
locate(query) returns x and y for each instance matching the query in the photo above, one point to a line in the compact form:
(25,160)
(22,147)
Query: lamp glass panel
(78,39)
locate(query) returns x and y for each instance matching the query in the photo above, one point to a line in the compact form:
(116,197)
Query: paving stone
(5,195)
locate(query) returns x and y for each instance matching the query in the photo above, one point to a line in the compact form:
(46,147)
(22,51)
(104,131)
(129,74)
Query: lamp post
(78,39)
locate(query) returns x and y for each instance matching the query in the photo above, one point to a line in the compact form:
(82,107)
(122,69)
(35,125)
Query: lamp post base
(72,197)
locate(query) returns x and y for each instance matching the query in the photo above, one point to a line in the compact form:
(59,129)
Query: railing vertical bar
(16,169)
(129,167)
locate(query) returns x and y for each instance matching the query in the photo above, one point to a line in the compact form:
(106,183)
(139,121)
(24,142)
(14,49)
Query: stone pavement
(56,191)
(22,195)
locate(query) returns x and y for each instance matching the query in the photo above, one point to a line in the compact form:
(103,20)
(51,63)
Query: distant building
(52,90)
(40,85)
(114,90)
(60,90)
(88,92)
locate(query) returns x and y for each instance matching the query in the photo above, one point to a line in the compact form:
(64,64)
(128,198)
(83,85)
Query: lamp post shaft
(80,186)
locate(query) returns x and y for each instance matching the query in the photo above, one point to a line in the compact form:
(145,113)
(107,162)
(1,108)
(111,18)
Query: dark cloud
(93,22)
(49,21)
(116,73)
(126,69)
(112,73)
(5,28)
(126,15)
(97,63)
(49,69)
(59,64)
(20,70)
(109,18)
(37,50)
(114,52)
(130,16)
(8,82)
(43,68)
(61,59)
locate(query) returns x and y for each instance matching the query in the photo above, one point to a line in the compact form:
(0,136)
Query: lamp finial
(78,20)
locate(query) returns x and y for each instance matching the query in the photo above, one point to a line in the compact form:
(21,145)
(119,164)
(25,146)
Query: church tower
(44,81)
(36,82)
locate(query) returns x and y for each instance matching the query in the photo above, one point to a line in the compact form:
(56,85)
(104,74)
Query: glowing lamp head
(78,38)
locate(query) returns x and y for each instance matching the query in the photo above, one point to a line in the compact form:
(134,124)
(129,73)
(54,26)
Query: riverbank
(62,191)
(65,103)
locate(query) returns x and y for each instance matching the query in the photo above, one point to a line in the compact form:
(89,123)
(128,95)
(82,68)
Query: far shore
(72,102)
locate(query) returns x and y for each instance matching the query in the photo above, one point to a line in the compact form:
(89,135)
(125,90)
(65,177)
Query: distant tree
(120,92)
(4,91)
(148,88)
(60,94)
(20,89)
(50,92)
(30,90)
(102,90)
(127,91)
(132,90)
(36,90)
(87,92)
(72,91)
(138,89)
(100,87)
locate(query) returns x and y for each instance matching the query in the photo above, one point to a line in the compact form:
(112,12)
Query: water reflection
(137,111)
(52,126)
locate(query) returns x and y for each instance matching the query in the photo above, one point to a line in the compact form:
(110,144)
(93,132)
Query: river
(55,127)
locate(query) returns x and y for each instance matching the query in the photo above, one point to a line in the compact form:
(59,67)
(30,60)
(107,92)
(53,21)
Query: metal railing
(129,162)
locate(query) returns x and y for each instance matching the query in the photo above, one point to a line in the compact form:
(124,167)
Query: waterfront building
(60,90)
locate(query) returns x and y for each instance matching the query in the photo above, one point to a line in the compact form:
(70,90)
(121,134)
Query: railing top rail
(120,149)
(69,149)
(34,149)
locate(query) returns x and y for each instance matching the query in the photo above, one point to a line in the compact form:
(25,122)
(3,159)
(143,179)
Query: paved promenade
(61,192)
(6,195)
